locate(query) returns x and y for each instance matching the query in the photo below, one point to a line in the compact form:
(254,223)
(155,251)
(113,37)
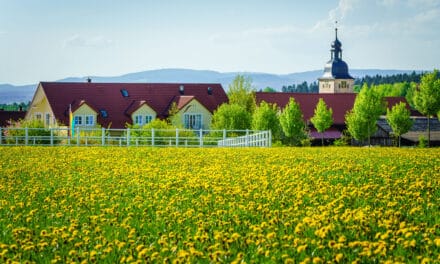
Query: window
(38,116)
(104,113)
(78,120)
(343,84)
(47,119)
(90,120)
(124,93)
(148,119)
(193,121)
(142,120)
(138,120)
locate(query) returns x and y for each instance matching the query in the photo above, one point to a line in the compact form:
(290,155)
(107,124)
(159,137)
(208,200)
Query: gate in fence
(134,137)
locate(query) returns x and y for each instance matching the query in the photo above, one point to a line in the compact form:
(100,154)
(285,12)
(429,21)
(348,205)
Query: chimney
(89,80)
(181,89)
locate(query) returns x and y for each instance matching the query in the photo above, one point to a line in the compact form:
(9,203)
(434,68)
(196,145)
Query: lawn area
(260,205)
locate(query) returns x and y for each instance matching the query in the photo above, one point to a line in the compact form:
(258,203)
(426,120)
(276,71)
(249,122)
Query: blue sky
(47,40)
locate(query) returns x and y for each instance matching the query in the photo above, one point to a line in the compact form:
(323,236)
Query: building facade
(336,78)
(116,105)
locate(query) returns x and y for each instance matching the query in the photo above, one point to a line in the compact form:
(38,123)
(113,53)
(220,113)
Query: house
(114,105)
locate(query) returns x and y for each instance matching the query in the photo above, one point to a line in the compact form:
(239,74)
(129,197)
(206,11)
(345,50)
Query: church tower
(336,78)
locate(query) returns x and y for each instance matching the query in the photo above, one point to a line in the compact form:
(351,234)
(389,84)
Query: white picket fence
(84,136)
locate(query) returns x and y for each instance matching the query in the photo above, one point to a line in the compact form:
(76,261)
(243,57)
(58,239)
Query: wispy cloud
(89,42)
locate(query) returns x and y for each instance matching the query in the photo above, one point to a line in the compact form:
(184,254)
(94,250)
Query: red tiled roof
(340,103)
(183,100)
(108,96)
(6,116)
(331,133)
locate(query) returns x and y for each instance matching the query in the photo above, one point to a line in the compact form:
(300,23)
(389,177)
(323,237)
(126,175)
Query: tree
(231,117)
(427,97)
(322,119)
(399,119)
(361,120)
(269,90)
(265,117)
(292,123)
(241,93)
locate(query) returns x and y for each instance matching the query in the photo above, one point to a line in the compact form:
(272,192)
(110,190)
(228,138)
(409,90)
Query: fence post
(1,136)
(270,139)
(77,136)
(128,137)
(51,137)
(247,138)
(201,138)
(26,136)
(102,136)
(152,137)
(224,134)
(177,137)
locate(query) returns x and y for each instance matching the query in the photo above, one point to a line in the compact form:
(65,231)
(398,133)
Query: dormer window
(124,93)
(104,113)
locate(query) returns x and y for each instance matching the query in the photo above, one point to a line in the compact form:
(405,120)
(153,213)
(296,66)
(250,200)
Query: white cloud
(91,42)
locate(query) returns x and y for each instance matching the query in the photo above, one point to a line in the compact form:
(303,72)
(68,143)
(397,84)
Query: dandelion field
(274,205)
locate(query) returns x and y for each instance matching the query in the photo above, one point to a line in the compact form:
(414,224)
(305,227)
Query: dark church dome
(336,68)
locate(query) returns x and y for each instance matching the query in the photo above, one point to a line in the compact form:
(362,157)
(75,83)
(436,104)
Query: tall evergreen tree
(399,120)
(427,97)
(323,118)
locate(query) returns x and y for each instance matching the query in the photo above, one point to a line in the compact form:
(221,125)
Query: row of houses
(116,105)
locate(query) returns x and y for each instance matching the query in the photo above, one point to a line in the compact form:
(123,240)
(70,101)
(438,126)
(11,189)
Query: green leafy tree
(269,90)
(292,123)
(265,117)
(174,117)
(231,117)
(323,118)
(427,97)
(241,93)
(399,119)
(361,120)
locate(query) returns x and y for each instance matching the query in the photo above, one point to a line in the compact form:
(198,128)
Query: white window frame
(38,116)
(47,119)
(89,120)
(148,119)
(138,120)
(78,120)
(142,119)
(188,119)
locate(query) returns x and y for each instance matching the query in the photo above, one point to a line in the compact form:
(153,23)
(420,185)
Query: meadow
(260,205)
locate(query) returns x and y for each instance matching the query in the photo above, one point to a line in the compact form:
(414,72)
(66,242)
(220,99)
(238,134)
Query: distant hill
(10,93)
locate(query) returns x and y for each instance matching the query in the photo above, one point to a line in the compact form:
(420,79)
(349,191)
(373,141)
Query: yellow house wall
(194,107)
(84,110)
(143,110)
(40,105)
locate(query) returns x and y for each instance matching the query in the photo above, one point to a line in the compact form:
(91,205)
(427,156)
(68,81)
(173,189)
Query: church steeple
(336,78)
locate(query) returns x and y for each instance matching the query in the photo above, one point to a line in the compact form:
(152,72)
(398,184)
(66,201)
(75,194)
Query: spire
(336,51)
